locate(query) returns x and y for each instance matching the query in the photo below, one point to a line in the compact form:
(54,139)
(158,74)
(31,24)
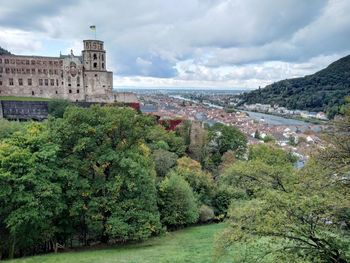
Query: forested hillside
(323,91)
(4,51)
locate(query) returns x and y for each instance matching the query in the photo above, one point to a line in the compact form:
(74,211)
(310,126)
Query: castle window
(95,56)
(52,82)
(40,71)
(69,85)
(77,91)
(20,82)
(103,65)
(70,91)
(1,70)
(23,71)
(41,91)
(56,82)
(46,82)
(11,82)
(56,92)
(27,62)
(95,65)
(28,70)
(0,82)
(33,70)
(95,75)
(50,62)
(6,61)
(40,82)
(102,56)
(32,93)
(55,71)
(69,79)
(7,70)
(44,63)
(33,62)
(0,61)
(50,71)
(29,82)
(45,71)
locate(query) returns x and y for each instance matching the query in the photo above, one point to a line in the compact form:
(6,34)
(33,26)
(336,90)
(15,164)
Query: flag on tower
(93,28)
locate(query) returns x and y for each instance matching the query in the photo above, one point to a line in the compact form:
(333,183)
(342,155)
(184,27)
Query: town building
(70,77)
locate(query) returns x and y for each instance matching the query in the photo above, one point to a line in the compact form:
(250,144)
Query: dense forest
(107,175)
(4,51)
(323,91)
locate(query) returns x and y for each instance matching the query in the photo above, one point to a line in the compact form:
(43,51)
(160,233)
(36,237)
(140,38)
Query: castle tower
(94,55)
(98,82)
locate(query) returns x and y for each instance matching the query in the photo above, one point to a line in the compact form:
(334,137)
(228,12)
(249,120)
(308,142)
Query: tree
(224,138)
(30,195)
(302,213)
(177,204)
(302,221)
(270,155)
(227,159)
(201,182)
(164,161)
(7,128)
(111,188)
(156,133)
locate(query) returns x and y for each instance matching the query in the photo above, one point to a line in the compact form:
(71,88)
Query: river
(275,120)
(267,118)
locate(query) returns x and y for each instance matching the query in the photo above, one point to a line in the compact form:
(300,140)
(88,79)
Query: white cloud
(230,43)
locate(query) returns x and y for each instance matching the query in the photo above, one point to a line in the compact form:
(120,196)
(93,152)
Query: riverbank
(296,118)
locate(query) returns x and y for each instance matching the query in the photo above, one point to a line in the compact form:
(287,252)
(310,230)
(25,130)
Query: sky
(237,44)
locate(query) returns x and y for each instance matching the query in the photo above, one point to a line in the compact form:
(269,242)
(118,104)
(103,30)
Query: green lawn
(23,98)
(191,245)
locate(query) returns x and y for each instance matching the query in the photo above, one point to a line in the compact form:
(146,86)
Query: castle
(70,77)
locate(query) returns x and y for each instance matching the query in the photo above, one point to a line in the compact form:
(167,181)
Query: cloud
(199,42)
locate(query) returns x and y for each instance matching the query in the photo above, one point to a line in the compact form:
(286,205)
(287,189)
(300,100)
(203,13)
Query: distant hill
(4,51)
(323,91)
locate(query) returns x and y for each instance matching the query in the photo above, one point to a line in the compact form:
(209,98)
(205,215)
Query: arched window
(95,56)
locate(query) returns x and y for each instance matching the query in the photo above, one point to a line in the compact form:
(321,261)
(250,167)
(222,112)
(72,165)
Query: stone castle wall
(75,78)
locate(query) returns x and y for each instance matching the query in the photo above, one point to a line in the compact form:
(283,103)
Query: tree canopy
(323,91)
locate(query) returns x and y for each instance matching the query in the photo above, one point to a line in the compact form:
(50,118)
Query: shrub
(206,214)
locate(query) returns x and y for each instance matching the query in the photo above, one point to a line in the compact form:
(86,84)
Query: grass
(23,98)
(191,245)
